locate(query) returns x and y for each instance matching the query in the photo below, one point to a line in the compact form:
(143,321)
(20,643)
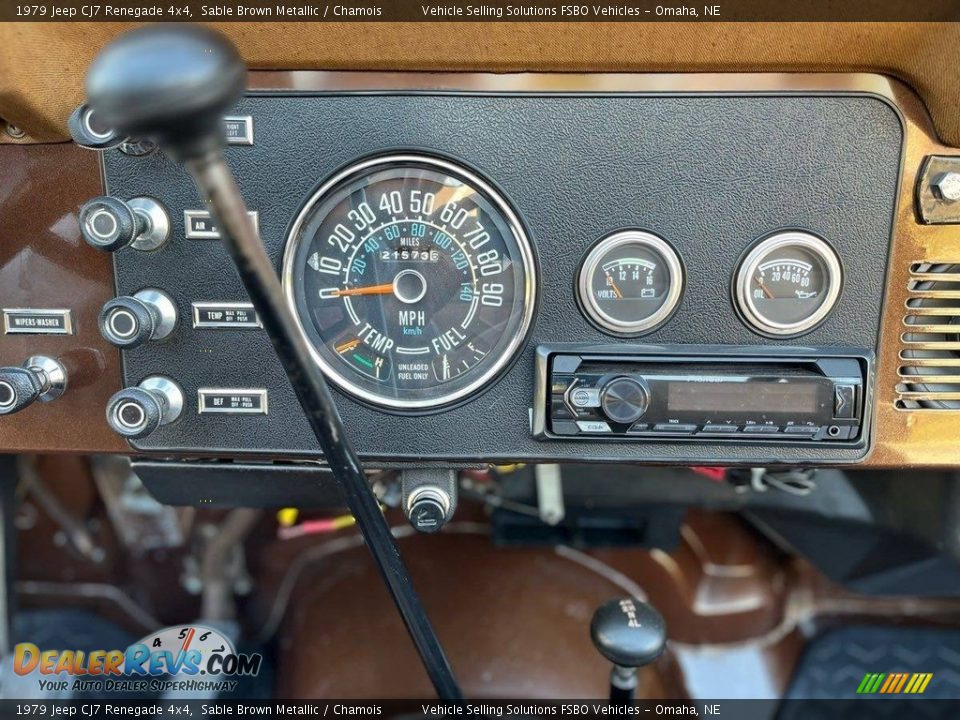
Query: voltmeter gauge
(788,283)
(630,282)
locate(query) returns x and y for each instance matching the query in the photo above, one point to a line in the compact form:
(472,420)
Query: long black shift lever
(172,84)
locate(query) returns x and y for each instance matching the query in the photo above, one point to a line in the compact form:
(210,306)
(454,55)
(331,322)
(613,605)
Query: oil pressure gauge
(788,283)
(630,282)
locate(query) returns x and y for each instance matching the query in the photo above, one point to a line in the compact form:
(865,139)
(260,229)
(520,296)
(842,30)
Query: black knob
(88,130)
(624,399)
(110,224)
(136,412)
(427,515)
(19,388)
(131,320)
(171,83)
(39,378)
(629,633)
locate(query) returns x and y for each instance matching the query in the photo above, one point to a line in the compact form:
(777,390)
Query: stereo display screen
(743,397)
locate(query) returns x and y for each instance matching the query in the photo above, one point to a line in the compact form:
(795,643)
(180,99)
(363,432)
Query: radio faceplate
(704,393)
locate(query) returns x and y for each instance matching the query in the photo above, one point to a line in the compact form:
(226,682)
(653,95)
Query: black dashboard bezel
(499,451)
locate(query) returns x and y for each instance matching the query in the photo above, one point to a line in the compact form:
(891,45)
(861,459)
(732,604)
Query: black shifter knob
(171,83)
(629,633)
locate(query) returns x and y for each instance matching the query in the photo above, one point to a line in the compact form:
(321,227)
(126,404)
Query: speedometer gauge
(630,282)
(788,283)
(412,280)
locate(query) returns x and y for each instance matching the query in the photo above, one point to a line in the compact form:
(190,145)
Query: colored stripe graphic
(903,681)
(891,681)
(894,683)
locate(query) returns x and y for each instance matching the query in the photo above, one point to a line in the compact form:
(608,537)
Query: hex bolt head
(947,186)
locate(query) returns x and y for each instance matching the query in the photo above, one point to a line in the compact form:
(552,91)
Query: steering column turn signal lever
(39,378)
(172,84)
(631,634)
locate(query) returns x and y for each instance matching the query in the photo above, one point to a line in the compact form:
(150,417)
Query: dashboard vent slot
(929,371)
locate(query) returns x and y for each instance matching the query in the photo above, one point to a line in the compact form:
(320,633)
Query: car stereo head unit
(724,394)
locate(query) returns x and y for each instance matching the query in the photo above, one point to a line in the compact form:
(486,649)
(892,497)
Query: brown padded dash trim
(42,64)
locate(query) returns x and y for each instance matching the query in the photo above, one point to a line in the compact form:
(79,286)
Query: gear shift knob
(171,83)
(629,633)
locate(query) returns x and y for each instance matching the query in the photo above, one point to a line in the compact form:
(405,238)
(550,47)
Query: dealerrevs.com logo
(181,658)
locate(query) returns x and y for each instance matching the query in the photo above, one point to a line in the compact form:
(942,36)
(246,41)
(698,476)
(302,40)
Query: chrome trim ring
(589,265)
(157,222)
(165,311)
(170,395)
(748,265)
(527,257)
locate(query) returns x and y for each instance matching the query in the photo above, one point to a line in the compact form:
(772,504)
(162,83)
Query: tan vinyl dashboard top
(42,64)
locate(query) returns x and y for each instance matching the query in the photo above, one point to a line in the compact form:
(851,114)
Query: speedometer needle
(386,289)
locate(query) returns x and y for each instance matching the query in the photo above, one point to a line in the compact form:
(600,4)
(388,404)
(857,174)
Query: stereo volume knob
(130,321)
(624,399)
(110,224)
(137,411)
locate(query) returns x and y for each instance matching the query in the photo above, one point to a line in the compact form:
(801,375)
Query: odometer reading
(412,279)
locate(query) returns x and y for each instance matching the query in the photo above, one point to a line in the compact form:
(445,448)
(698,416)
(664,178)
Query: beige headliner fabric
(42,64)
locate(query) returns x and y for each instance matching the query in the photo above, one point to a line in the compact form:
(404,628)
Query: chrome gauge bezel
(527,257)
(594,257)
(744,303)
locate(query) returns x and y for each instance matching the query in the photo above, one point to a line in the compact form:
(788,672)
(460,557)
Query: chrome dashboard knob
(136,412)
(110,224)
(88,130)
(39,378)
(131,320)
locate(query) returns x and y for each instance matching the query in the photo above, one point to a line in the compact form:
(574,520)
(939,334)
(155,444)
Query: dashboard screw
(15,132)
(947,186)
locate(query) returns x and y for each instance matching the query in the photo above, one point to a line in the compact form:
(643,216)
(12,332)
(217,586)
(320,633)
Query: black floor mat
(835,663)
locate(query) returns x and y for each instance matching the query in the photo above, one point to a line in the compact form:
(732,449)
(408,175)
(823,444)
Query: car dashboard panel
(441,237)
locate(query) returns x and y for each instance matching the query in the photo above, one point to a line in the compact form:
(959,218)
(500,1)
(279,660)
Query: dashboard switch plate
(239,129)
(30,321)
(232,401)
(225,316)
(200,225)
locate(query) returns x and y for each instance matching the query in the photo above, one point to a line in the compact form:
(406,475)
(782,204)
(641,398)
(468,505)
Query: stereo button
(585,397)
(593,426)
(675,428)
(844,401)
(719,428)
(761,429)
(801,430)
